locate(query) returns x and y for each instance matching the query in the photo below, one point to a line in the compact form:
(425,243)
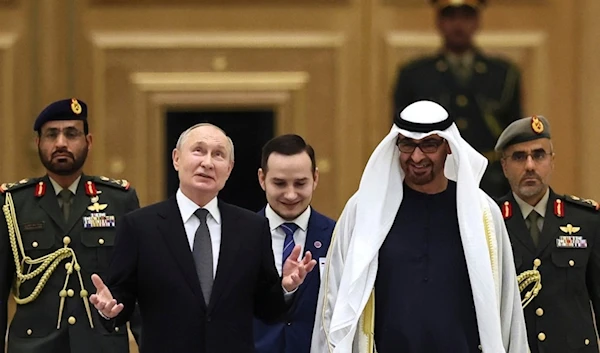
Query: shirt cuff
(104,317)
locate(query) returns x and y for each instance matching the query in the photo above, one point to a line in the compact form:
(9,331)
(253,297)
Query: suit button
(70,292)
(101,241)
(117,329)
(587,342)
(539,311)
(537,262)
(480,348)
(462,101)
(66,240)
(289,324)
(72,320)
(571,263)
(541,336)
(29,332)
(35,244)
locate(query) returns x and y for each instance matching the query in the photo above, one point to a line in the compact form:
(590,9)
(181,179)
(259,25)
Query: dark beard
(67,168)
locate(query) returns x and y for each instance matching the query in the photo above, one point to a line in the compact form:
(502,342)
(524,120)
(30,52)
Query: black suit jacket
(152,262)
(559,319)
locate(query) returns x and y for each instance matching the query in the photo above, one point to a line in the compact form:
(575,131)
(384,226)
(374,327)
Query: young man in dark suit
(289,176)
(201,269)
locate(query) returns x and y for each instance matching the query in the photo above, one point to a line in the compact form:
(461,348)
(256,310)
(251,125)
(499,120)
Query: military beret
(442,4)
(522,130)
(66,109)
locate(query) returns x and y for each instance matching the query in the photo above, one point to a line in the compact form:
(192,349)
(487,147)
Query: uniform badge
(75,106)
(40,189)
(506,210)
(570,240)
(537,125)
(559,208)
(318,244)
(90,190)
(99,220)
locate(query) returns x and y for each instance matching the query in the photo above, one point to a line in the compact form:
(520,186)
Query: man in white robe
(345,318)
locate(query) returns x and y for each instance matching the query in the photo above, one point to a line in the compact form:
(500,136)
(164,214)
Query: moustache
(63,152)
(531,176)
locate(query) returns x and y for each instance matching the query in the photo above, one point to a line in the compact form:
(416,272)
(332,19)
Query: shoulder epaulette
(589,203)
(9,187)
(117,183)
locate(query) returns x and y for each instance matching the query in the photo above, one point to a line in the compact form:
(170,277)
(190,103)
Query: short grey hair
(184,135)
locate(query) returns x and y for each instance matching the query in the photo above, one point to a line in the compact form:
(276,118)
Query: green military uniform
(58,317)
(559,319)
(565,249)
(482,107)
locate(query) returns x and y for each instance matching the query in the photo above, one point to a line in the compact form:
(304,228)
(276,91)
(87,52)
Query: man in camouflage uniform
(482,93)
(55,232)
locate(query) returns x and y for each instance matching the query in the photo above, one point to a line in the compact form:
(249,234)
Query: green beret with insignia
(523,130)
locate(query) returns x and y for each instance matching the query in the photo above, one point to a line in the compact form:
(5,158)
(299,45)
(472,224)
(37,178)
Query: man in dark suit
(68,219)
(201,269)
(558,234)
(289,176)
(481,92)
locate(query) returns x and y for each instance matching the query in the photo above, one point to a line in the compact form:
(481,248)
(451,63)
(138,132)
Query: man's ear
(175,156)
(261,178)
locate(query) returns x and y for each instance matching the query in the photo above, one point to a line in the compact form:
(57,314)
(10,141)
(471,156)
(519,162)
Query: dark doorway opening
(249,130)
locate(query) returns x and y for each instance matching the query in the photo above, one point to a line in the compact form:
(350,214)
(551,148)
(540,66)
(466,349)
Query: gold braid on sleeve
(527,278)
(46,264)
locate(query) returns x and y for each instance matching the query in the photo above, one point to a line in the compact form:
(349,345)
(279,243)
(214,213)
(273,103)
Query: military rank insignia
(507,210)
(75,106)
(559,208)
(96,219)
(537,125)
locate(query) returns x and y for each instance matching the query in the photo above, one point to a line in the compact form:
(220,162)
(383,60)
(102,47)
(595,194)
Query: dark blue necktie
(288,243)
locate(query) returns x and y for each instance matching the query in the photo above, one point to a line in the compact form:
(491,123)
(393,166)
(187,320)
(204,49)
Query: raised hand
(103,299)
(294,271)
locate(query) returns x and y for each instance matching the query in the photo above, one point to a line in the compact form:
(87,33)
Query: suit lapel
(49,203)
(313,236)
(230,231)
(551,224)
(172,229)
(517,227)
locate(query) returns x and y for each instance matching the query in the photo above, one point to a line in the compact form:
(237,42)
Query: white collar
(275,220)
(58,188)
(187,207)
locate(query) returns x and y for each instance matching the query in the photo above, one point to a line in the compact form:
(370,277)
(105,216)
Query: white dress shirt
(191,223)
(278,235)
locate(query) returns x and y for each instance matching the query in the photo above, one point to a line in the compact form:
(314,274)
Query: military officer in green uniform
(482,93)
(558,234)
(55,232)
